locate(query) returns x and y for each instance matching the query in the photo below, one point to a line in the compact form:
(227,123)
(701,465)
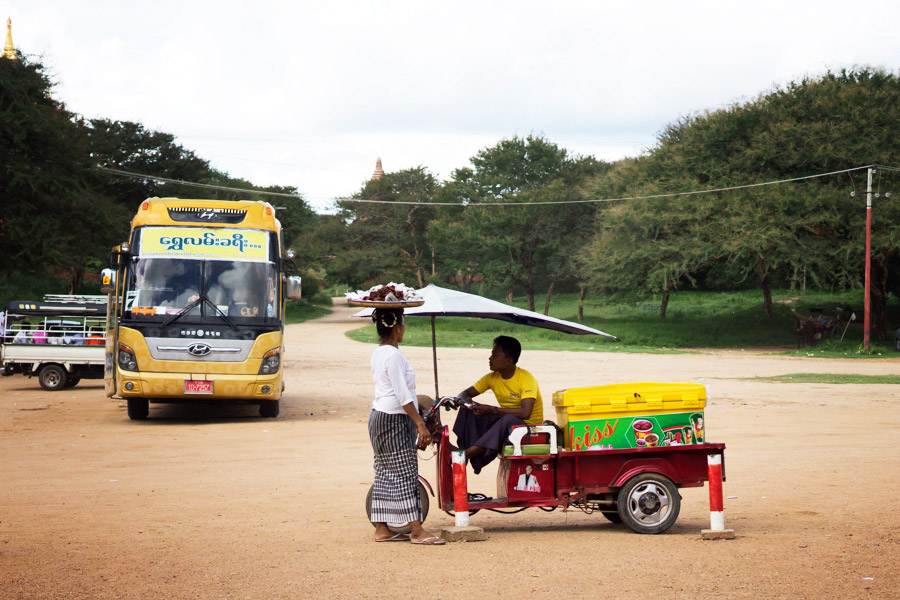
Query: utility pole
(868,284)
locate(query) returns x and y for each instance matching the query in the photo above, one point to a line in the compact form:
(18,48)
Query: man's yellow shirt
(509,392)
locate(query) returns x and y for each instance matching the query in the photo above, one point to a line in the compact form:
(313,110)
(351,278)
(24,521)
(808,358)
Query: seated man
(484,429)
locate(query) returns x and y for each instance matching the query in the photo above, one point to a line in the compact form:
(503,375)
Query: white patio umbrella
(452,303)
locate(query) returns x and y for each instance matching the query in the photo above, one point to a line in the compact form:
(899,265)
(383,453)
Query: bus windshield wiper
(220,313)
(202,299)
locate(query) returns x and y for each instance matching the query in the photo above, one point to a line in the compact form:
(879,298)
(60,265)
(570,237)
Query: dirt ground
(216,502)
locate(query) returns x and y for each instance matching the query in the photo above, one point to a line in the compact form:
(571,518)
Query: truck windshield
(246,292)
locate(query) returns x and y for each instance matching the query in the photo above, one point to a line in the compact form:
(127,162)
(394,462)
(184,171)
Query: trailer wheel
(402,527)
(138,409)
(269,408)
(649,503)
(52,378)
(611,515)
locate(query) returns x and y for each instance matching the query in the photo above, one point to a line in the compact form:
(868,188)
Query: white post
(460,489)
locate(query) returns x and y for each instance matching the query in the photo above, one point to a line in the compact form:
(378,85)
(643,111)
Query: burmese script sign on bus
(204,244)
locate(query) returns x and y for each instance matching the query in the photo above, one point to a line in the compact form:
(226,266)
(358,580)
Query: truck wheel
(72,381)
(52,378)
(402,527)
(138,409)
(649,503)
(269,408)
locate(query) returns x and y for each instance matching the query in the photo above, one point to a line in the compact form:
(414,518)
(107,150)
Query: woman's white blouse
(395,380)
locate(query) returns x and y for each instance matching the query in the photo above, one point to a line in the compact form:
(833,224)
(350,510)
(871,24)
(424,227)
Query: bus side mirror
(108,281)
(293,289)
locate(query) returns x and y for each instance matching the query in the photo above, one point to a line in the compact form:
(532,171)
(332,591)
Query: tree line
(522,217)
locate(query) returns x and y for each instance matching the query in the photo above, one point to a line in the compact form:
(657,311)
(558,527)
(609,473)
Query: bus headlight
(270,362)
(126,358)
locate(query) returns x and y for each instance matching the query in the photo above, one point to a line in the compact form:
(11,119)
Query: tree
(388,238)
(50,215)
(128,146)
(832,123)
(518,242)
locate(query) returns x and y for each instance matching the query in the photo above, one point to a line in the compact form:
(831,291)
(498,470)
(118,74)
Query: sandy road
(216,502)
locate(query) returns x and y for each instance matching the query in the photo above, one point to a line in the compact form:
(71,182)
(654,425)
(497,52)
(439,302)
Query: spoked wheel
(401,527)
(649,503)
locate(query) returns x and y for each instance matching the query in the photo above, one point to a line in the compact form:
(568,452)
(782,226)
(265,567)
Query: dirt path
(215,502)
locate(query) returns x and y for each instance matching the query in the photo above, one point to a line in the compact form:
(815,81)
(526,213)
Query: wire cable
(537,203)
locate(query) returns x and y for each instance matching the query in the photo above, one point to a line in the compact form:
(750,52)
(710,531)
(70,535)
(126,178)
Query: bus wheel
(269,408)
(138,409)
(52,378)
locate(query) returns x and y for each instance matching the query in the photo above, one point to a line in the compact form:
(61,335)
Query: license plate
(198,386)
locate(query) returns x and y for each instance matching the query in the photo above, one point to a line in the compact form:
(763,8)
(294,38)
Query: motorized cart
(636,485)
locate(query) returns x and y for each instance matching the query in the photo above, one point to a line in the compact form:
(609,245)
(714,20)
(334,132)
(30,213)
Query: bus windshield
(245,292)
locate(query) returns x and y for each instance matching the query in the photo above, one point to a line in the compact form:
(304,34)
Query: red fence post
(460,489)
(716,529)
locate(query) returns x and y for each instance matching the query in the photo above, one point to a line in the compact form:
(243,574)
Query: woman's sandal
(399,537)
(429,541)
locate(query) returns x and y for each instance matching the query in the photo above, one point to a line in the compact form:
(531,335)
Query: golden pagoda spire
(9,51)
(379,172)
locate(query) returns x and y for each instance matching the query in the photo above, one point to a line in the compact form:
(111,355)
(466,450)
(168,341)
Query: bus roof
(206,213)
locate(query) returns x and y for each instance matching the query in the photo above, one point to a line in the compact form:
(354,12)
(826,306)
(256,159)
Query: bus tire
(53,378)
(138,409)
(649,503)
(269,408)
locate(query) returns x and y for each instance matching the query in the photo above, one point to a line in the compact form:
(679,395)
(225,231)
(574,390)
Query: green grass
(298,311)
(829,378)
(694,320)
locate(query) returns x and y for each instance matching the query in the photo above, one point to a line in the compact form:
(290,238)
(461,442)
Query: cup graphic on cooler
(651,439)
(641,428)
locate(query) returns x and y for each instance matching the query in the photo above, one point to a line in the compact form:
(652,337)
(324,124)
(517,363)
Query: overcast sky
(309,94)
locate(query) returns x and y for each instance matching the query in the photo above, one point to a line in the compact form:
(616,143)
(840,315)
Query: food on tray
(392,292)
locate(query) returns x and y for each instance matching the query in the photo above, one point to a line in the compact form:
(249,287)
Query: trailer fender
(635,467)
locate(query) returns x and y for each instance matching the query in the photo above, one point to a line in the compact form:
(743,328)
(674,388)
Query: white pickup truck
(60,339)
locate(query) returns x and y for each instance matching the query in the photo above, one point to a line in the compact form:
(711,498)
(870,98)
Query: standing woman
(393,425)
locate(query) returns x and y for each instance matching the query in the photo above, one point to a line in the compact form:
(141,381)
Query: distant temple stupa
(379,172)
(9,51)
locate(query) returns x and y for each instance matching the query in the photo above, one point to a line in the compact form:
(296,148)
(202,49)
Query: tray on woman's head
(386,304)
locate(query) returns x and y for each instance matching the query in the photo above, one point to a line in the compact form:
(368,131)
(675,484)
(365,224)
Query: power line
(585,201)
(195,184)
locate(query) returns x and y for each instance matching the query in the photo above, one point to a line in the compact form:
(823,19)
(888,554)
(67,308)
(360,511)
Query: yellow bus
(196,305)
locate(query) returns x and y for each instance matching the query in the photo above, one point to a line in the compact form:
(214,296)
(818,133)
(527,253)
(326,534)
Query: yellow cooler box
(631,415)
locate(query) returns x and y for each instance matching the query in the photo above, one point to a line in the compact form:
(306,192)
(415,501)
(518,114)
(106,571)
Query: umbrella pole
(434,357)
